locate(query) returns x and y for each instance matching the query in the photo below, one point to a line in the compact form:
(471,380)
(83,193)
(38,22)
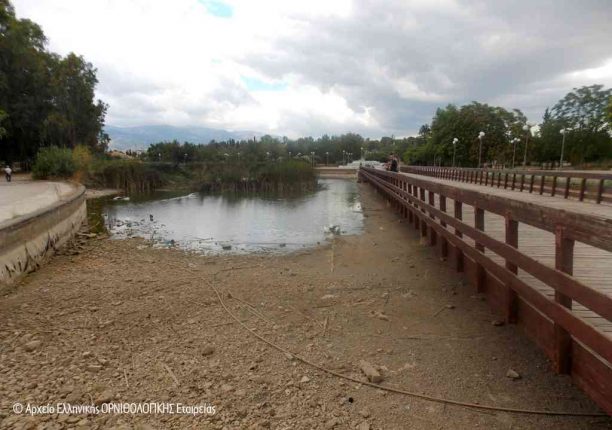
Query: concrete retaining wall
(27,240)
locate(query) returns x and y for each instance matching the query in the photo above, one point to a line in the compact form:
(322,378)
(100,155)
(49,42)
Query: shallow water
(231,223)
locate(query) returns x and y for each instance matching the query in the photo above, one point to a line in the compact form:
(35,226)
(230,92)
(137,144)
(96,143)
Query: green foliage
(132,176)
(53,162)
(3,116)
(583,112)
(49,99)
(464,124)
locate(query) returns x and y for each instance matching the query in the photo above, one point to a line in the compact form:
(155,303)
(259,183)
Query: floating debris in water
(332,229)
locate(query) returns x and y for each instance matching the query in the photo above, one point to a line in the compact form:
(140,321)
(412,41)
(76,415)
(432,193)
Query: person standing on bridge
(394,163)
(8,173)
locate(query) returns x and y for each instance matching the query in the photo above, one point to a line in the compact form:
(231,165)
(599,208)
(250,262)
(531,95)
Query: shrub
(53,162)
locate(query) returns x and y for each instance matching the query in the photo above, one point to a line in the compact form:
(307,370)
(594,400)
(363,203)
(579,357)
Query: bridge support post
(433,237)
(458,252)
(443,241)
(481,274)
(423,223)
(410,216)
(417,221)
(511,296)
(564,261)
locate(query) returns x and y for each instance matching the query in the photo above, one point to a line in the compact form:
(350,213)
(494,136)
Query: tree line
(326,149)
(45,99)
(584,115)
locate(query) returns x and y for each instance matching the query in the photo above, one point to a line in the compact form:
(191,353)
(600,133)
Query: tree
(583,111)
(47,99)
(465,123)
(2,118)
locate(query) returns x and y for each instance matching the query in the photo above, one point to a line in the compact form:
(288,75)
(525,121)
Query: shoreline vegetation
(134,176)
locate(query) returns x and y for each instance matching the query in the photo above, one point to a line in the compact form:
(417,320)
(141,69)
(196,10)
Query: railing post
(554,186)
(458,252)
(505,181)
(600,190)
(443,241)
(479,223)
(432,233)
(417,221)
(511,296)
(582,188)
(513,180)
(564,261)
(531,183)
(423,223)
(567,187)
(542,179)
(410,215)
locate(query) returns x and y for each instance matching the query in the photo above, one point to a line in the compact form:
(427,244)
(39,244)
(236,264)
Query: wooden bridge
(537,246)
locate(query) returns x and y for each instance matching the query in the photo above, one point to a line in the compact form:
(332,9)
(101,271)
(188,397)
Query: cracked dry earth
(118,321)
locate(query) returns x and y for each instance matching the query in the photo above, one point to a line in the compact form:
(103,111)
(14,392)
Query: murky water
(230,223)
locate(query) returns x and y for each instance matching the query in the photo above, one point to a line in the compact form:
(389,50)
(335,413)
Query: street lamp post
(312,158)
(514,142)
(563,132)
(455,141)
(362,152)
(481,135)
(326,158)
(526,128)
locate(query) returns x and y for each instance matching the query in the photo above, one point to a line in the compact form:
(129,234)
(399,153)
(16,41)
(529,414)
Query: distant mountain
(140,137)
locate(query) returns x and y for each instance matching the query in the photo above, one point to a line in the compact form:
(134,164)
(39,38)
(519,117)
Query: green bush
(53,162)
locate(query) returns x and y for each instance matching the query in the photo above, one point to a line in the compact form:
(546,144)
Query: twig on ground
(171,373)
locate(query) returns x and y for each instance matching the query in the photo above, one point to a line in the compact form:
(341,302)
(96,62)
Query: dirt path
(117,321)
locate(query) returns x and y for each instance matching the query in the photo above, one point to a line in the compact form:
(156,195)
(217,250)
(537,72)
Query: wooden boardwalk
(592,266)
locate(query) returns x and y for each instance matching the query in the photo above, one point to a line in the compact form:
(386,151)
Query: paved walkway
(21,197)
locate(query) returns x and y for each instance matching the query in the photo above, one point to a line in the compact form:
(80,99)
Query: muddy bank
(118,321)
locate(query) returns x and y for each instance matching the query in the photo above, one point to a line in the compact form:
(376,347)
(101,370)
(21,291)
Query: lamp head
(481,134)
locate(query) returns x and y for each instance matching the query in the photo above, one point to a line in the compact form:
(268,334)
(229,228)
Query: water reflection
(240,223)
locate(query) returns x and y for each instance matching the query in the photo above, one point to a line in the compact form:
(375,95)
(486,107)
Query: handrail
(594,186)
(408,194)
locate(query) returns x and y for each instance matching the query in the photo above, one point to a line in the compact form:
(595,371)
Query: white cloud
(372,66)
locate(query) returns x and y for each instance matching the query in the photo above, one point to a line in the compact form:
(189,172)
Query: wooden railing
(578,185)
(560,332)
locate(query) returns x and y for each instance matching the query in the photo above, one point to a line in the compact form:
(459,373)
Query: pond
(239,223)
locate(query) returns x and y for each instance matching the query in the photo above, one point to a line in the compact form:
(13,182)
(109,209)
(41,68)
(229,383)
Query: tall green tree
(583,112)
(464,124)
(47,99)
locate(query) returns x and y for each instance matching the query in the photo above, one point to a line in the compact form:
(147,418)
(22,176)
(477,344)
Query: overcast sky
(377,67)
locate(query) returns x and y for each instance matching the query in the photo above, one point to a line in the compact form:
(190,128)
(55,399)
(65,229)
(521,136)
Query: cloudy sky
(377,67)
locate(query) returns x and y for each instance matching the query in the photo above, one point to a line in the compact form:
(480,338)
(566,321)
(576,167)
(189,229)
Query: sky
(306,68)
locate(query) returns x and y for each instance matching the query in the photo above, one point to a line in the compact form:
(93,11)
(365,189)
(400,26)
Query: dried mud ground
(117,321)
